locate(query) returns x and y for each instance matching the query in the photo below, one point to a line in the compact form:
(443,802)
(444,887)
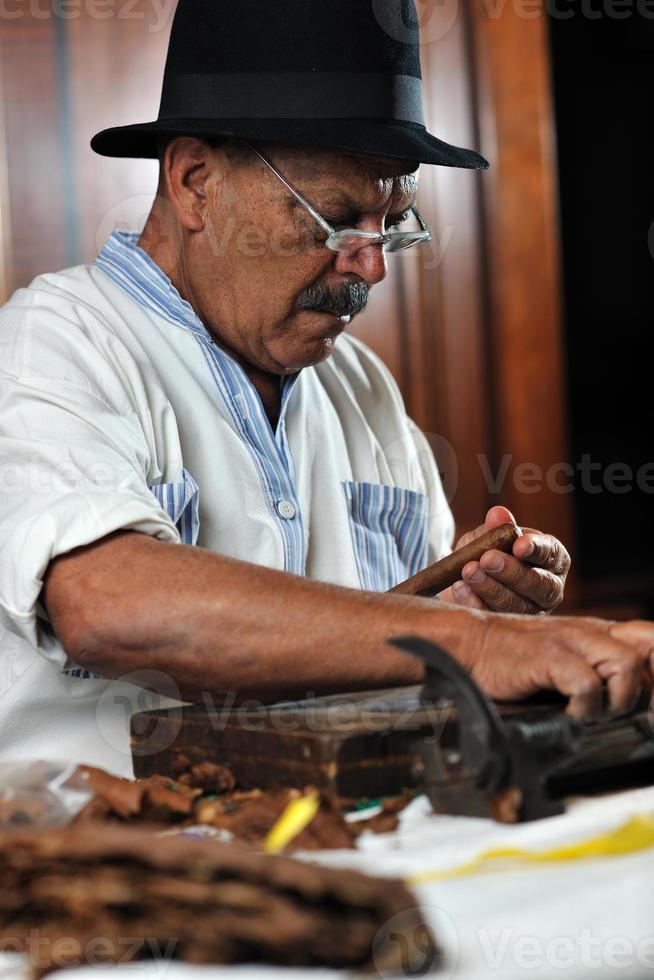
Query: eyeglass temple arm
(421,221)
(303,201)
(314,214)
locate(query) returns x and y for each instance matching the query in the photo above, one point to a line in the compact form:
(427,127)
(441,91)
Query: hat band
(293,95)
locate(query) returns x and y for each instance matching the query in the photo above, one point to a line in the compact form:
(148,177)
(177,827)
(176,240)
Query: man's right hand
(597,664)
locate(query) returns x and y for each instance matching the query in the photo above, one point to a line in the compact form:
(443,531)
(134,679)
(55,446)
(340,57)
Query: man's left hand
(531,580)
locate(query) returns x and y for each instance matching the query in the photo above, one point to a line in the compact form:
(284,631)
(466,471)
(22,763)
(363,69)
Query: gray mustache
(347,300)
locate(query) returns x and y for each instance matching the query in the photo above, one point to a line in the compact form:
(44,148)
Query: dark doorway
(603,71)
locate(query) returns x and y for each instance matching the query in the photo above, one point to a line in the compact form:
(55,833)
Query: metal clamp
(485,764)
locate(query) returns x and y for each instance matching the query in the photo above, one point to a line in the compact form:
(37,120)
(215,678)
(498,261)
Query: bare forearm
(215,624)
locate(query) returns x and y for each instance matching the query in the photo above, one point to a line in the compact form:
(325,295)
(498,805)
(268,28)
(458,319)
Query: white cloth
(560,921)
(115,407)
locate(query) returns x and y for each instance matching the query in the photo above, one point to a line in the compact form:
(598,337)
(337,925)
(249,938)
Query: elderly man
(208,485)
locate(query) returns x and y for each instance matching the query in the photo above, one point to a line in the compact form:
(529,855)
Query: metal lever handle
(483,736)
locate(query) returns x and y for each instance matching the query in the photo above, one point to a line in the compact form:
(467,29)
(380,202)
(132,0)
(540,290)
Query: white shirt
(118,411)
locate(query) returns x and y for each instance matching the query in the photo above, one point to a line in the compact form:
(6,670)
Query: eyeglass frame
(336,239)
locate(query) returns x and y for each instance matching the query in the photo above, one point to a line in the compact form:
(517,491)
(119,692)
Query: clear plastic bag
(41,794)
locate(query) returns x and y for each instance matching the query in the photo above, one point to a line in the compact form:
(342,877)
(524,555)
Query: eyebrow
(347,207)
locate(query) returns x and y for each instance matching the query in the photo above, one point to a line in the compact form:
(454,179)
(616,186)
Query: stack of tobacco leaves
(86,894)
(206,795)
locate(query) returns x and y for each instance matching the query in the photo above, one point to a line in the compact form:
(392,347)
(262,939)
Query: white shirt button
(286,509)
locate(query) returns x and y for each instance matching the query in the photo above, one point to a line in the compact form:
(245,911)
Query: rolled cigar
(432,580)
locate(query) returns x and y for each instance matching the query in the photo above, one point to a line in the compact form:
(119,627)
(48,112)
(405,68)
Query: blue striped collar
(131,268)
(134,271)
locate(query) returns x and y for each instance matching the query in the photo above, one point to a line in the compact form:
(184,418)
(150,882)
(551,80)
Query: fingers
(494,593)
(639,635)
(531,580)
(574,678)
(543,550)
(580,658)
(520,656)
(462,595)
(618,664)
(507,585)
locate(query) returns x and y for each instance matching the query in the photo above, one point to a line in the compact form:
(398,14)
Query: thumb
(498,515)
(494,517)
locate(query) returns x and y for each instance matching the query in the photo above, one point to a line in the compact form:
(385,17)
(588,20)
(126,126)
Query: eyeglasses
(352,240)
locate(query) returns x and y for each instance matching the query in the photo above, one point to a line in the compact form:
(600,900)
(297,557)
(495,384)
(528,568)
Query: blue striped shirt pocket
(181,501)
(390,532)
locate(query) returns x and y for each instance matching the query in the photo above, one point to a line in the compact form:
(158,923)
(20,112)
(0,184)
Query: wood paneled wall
(34,142)
(63,81)
(522,247)
(454,301)
(6,276)
(470,327)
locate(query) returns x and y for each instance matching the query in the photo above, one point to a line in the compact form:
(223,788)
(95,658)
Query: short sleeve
(73,469)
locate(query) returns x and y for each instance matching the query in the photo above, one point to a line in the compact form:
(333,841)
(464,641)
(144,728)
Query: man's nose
(368,263)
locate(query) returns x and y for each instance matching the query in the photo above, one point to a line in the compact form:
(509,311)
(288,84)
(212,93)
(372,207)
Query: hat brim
(384,138)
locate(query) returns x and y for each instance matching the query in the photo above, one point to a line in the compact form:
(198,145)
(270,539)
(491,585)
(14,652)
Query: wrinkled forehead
(374,180)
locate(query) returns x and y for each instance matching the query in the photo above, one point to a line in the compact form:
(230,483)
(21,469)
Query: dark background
(603,76)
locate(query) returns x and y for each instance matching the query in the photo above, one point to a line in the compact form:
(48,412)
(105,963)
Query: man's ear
(187,167)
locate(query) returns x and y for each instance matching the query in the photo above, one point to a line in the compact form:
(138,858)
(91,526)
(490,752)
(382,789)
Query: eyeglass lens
(397,242)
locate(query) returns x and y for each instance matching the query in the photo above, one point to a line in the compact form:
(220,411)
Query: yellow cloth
(636,834)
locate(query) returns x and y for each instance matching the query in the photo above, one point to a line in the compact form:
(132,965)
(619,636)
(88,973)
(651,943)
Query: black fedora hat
(343,74)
